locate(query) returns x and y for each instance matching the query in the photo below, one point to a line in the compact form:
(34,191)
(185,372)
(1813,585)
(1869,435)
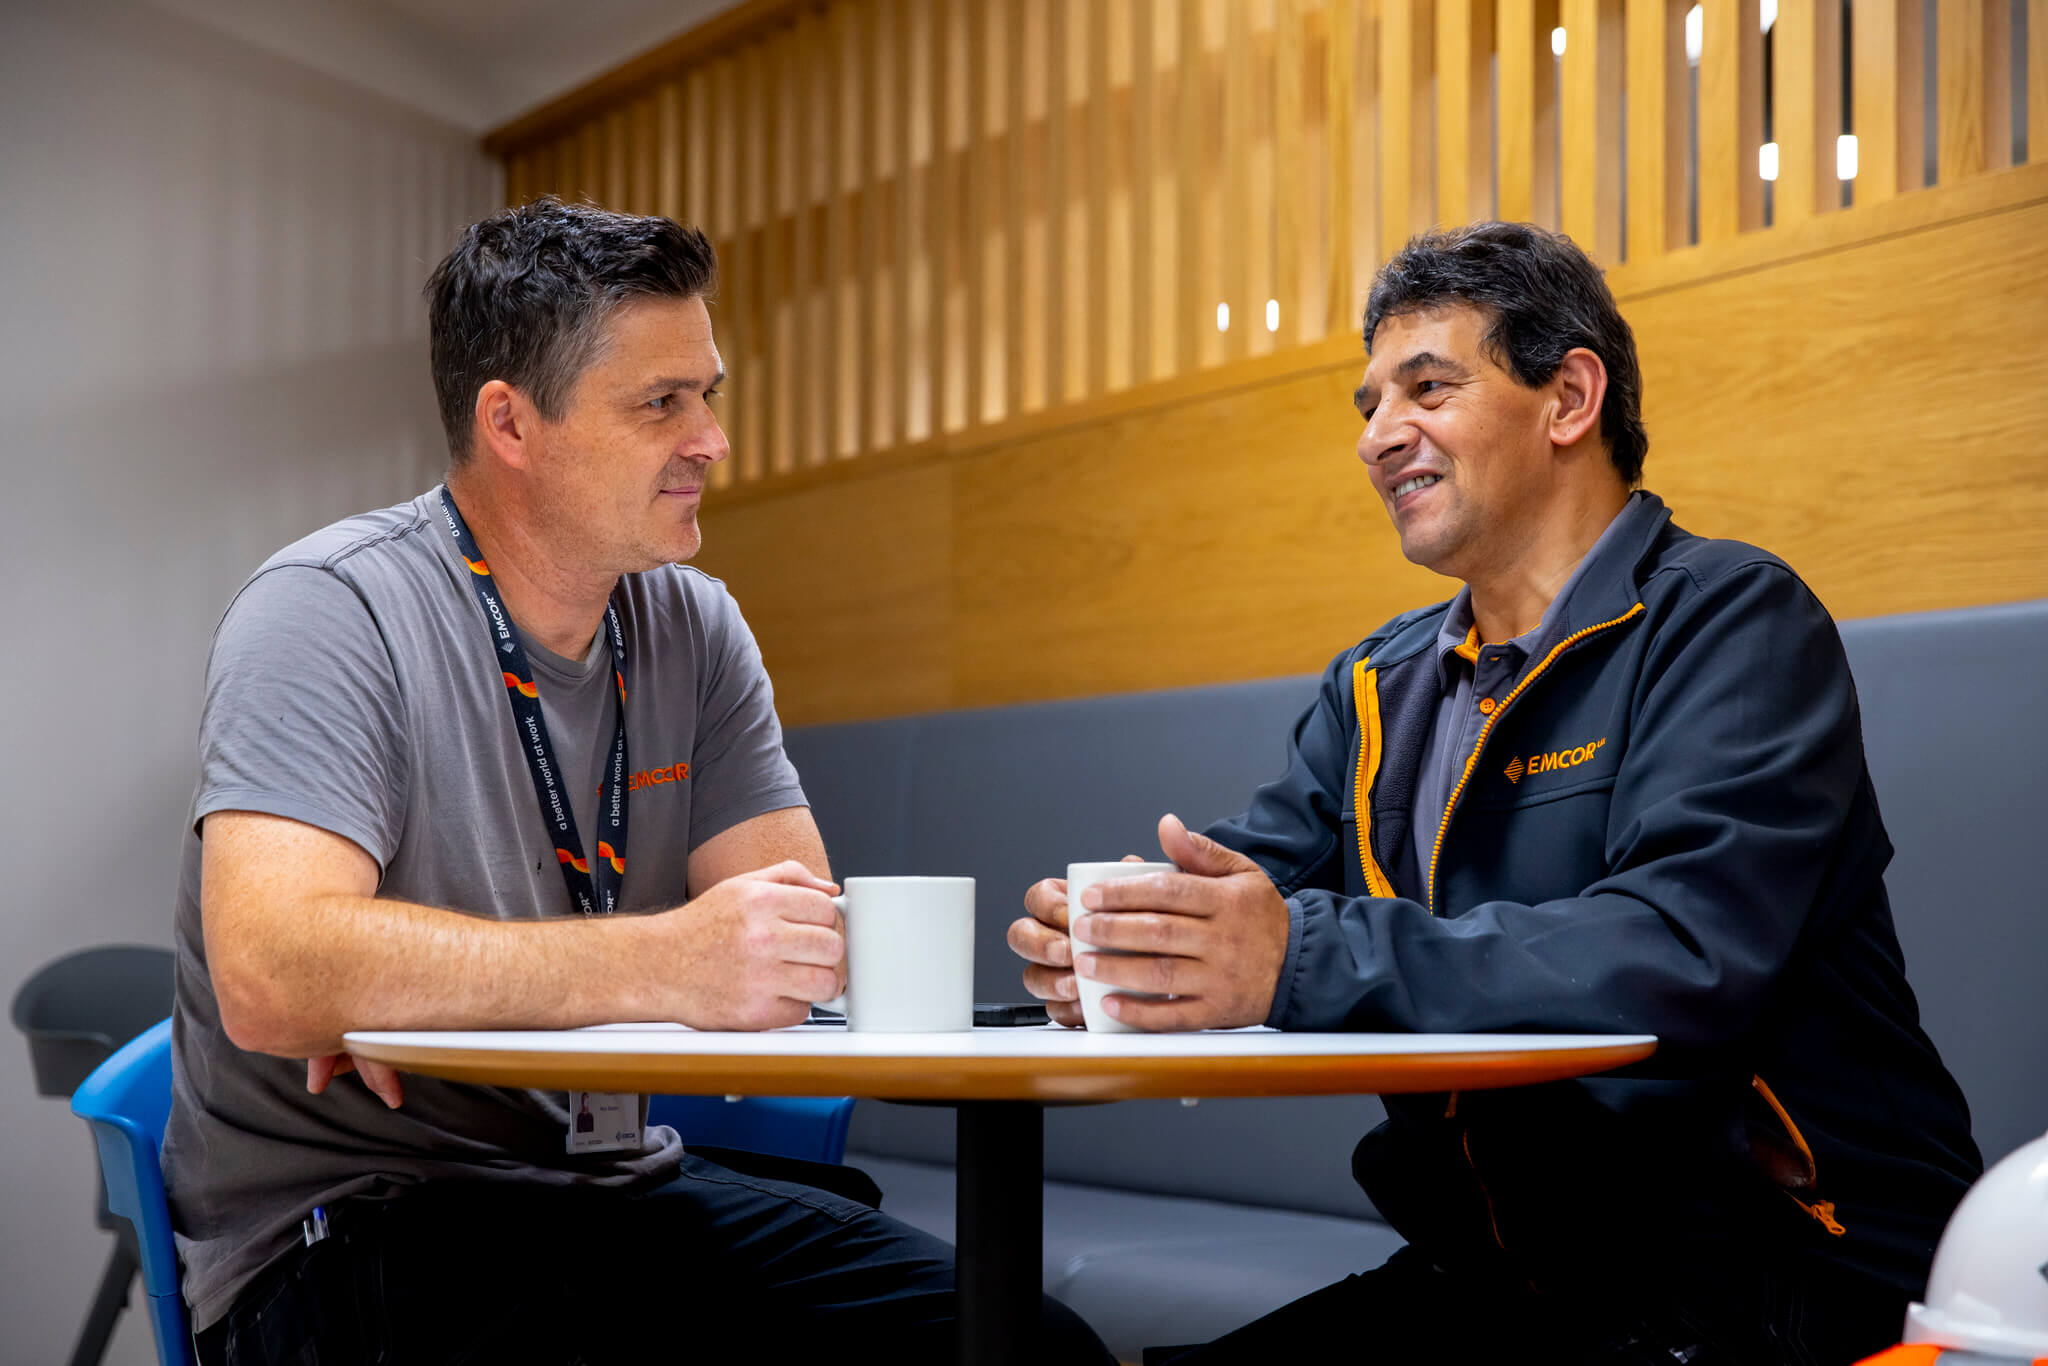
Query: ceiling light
(1557,42)
(1845,157)
(1223,317)
(1767,161)
(1272,315)
(1695,26)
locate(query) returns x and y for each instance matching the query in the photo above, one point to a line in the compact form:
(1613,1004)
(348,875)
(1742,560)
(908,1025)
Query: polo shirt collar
(1612,557)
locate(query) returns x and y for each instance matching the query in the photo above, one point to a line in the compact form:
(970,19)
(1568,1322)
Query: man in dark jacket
(1615,785)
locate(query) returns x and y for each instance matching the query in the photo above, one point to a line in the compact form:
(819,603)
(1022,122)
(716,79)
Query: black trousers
(715,1266)
(1408,1310)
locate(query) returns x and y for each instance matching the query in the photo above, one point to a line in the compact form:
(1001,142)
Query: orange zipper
(1365,694)
(1479,745)
(1821,1210)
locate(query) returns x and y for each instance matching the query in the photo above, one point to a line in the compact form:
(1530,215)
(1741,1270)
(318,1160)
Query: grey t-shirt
(353,686)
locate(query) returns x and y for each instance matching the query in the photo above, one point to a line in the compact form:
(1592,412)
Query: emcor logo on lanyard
(523,694)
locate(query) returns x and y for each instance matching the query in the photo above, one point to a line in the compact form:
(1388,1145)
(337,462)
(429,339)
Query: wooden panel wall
(1865,398)
(1000,208)
(993,441)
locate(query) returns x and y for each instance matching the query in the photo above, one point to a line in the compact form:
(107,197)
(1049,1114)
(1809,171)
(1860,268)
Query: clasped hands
(1212,936)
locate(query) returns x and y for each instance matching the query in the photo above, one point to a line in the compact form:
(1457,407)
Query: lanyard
(523,692)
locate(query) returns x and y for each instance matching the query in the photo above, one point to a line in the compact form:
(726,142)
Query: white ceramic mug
(909,954)
(1080,877)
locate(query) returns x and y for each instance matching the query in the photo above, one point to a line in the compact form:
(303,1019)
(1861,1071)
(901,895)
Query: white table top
(1047,1063)
(1041,1041)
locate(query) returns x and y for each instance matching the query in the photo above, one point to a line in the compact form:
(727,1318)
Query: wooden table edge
(1079,1077)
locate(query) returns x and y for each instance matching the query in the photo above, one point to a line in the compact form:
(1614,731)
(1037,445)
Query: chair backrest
(126,1101)
(79,1008)
(810,1128)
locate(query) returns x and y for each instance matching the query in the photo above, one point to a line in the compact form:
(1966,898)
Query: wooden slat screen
(935,217)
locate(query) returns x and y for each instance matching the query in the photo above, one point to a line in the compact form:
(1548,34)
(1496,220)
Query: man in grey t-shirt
(424,729)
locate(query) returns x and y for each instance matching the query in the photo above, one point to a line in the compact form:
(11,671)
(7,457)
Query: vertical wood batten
(543,170)
(642,171)
(590,162)
(540,174)
(1014,84)
(697,150)
(1187,175)
(1056,109)
(1547,184)
(1889,103)
(1973,87)
(1731,120)
(1237,124)
(561,168)
(798,388)
(866,77)
(1289,179)
(1590,212)
(669,156)
(1806,69)
(938,211)
(1338,86)
(747,285)
(1368,118)
(1096,369)
(1464,110)
(1144,253)
(617,191)
(566,169)
(1406,121)
(1657,115)
(975,347)
(721,213)
(840,123)
(2037,81)
(775,257)
(1520,49)
(900,355)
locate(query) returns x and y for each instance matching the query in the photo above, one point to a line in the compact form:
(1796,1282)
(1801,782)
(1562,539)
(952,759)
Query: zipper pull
(1824,1211)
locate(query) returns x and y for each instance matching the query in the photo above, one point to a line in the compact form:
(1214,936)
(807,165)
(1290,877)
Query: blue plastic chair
(126,1101)
(809,1128)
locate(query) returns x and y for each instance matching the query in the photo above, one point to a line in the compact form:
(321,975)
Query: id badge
(604,1122)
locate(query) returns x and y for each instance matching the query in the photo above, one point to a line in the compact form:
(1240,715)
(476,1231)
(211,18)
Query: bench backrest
(1012,794)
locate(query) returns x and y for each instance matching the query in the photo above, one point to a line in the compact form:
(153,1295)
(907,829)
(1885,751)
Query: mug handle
(837,1003)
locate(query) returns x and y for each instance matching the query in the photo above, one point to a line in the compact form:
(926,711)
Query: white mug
(1080,877)
(909,954)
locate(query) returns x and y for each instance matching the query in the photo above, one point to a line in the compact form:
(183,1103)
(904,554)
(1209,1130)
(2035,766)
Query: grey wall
(211,341)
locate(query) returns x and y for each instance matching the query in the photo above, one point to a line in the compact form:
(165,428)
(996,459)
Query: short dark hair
(525,297)
(1543,296)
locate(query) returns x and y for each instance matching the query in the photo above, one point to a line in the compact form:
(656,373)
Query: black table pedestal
(1000,1151)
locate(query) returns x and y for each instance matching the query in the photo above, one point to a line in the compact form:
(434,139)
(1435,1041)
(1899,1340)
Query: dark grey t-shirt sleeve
(302,716)
(738,770)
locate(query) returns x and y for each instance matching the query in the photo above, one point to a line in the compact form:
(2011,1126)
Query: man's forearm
(356,962)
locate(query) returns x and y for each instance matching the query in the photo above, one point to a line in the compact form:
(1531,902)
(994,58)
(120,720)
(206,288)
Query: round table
(999,1079)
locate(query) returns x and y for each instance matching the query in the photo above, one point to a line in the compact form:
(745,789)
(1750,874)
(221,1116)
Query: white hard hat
(1988,1291)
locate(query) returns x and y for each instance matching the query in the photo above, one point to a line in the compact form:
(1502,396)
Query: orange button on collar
(1486,706)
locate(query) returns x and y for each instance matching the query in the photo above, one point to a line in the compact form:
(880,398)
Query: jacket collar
(1611,583)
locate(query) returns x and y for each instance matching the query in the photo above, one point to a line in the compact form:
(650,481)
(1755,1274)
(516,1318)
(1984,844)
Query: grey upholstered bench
(1190,1221)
